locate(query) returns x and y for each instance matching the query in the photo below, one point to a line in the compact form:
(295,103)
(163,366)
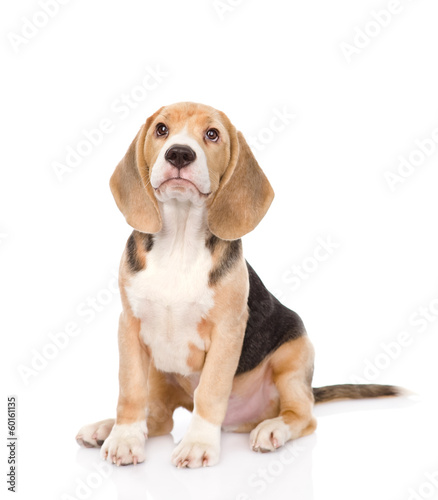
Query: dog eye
(212,134)
(161,129)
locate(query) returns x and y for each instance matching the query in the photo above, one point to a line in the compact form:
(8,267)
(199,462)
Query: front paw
(200,447)
(195,454)
(125,444)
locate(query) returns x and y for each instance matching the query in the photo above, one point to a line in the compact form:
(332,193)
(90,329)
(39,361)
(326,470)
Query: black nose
(180,156)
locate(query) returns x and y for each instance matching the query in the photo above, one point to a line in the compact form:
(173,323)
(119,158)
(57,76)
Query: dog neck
(184,230)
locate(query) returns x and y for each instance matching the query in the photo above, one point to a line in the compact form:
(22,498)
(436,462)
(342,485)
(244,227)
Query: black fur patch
(134,262)
(230,255)
(148,241)
(212,242)
(131,253)
(270,324)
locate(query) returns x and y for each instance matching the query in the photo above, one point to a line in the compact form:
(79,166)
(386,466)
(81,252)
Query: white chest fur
(172,295)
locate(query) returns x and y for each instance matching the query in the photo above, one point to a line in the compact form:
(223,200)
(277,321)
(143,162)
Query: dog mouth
(180,184)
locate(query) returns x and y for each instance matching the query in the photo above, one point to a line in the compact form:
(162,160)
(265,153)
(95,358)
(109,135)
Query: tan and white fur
(191,188)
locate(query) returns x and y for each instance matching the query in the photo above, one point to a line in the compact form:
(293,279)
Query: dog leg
(125,444)
(292,366)
(201,444)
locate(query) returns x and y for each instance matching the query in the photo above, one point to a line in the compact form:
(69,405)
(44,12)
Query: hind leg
(292,369)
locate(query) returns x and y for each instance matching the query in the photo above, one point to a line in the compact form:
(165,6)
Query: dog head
(191,152)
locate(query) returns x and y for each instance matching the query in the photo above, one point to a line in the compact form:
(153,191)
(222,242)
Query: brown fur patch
(196,358)
(205,327)
(164,396)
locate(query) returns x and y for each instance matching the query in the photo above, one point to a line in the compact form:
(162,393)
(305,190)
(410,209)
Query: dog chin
(180,190)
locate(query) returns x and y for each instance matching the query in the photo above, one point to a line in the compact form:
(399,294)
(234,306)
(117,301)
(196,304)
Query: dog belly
(254,398)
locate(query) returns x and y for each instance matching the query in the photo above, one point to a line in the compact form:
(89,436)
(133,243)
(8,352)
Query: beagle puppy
(198,328)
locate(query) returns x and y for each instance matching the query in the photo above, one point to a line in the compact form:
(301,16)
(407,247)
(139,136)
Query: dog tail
(355,391)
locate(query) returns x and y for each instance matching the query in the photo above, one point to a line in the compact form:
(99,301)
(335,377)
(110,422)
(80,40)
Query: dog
(198,329)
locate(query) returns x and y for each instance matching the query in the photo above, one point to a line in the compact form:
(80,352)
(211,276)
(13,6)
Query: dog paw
(125,444)
(200,447)
(93,435)
(269,435)
(194,454)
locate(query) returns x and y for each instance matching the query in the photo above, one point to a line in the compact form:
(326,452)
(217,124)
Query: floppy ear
(244,194)
(131,187)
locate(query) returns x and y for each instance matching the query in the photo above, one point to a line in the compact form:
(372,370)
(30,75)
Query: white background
(61,239)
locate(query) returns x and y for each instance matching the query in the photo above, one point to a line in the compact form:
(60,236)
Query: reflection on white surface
(364,446)
(241,474)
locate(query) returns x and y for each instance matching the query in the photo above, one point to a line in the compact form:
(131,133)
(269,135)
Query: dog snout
(180,156)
